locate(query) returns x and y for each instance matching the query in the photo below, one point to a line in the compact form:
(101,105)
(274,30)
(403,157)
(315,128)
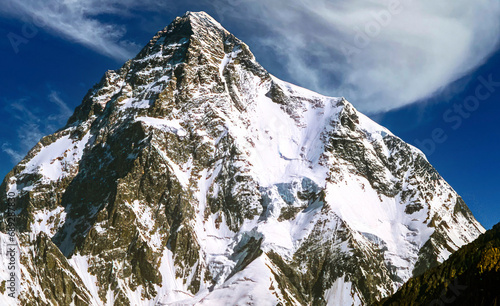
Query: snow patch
(48,221)
(56,160)
(169,126)
(81,265)
(342,293)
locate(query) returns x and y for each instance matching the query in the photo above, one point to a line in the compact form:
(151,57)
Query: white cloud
(14,155)
(379,54)
(77,20)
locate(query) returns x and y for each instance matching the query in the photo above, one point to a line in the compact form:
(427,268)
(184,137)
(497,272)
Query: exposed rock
(192,175)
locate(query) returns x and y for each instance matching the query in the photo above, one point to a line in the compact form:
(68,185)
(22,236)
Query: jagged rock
(192,175)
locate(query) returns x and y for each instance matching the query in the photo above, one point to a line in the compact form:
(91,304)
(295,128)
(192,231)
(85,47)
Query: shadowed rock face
(192,175)
(470,276)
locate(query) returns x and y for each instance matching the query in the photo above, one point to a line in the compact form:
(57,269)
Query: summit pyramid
(193,176)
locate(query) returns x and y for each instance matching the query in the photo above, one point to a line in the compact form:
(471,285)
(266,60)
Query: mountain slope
(470,276)
(192,175)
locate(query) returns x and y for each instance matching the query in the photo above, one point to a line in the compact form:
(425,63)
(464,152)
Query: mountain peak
(191,27)
(193,176)
(202,18)
(197,21)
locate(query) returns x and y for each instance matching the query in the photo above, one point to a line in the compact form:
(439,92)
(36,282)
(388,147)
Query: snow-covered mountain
(193,176)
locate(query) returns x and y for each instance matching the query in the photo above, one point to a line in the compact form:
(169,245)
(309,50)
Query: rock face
(191,175)
(470,276)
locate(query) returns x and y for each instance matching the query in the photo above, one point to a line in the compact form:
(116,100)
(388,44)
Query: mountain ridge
(470,276)
(192,175)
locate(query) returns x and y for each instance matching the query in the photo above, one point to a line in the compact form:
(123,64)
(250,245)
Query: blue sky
(414,67)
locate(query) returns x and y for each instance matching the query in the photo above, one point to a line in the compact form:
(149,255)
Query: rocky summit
(193,176)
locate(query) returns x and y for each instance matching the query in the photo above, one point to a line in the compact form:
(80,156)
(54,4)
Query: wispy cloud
(14,155)
(78,21)
(64,111)
(379,54)
(33,124)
